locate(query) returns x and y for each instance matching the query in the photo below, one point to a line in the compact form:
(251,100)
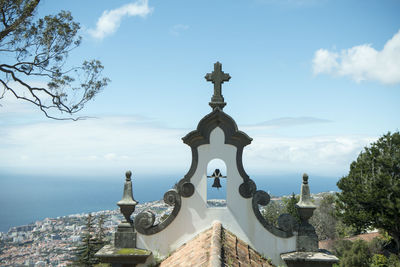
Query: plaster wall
(238,217)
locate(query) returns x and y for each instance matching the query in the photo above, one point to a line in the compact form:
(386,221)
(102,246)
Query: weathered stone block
(309,259)
(307,239)
(125,239)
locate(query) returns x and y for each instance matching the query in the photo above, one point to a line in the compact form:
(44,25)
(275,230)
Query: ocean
(26,199)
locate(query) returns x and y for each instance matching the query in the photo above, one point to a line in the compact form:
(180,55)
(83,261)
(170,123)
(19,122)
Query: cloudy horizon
(313,83)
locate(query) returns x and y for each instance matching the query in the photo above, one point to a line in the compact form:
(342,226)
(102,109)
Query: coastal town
(52,241)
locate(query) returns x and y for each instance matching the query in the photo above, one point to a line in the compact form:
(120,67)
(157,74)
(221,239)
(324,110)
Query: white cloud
(177,29)
(325,61)
(116,144)
(110,156)
(110,20)
(10,104)
(325,155)
(92,146)
(284,122)
(362,62)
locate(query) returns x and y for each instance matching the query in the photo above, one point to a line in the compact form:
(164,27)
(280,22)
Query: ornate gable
(216,137)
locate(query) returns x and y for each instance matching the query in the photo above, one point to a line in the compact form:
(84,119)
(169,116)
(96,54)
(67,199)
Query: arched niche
(212,192)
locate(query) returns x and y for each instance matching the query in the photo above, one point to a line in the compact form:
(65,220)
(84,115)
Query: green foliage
(361,253)
(343,230)
(377,245)
(357,256)
(341,246)
(370,193)
(272,211)
(393,260)
(379,260)
(100,234)
(91,243)
(324,218)
(290,206)
(38,50)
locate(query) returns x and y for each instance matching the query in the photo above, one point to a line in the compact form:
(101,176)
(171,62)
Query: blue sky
(313,82)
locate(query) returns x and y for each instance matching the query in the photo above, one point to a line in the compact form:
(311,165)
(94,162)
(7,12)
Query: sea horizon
(26,199)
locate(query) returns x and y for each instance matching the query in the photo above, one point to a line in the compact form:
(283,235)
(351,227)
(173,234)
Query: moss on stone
(132,251)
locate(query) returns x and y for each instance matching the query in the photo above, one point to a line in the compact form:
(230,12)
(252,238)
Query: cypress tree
(290,207)
(85,252)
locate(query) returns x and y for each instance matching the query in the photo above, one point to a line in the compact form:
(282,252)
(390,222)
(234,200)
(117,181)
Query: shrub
(340,246)
(357,256)
(379,260)
(393,260)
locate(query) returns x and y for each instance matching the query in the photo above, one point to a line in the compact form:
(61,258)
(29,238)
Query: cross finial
(217,77)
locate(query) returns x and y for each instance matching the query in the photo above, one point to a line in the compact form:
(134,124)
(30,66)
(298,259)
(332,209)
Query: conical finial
(305,197)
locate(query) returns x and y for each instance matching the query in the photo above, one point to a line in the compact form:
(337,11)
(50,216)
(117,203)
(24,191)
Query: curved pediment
(201,136)
(217,118)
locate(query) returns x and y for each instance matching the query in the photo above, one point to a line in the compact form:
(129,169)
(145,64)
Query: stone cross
(217,77)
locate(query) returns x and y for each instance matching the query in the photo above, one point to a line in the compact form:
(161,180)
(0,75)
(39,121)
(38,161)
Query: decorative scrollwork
(144,221)
(247,188)
(186,189)
(170,197)
(262,198)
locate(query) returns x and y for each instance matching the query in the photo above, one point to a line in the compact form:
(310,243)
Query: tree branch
(41,49)
(28,11)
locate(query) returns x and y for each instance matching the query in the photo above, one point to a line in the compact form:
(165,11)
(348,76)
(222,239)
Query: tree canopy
(36,52)
(370,193)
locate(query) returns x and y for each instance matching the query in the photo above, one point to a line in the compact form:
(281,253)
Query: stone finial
(305,178)
(127,204)
(217,77)
(128,175)
(305,197)
(125,237)
(307,253)
(123,252)
(307,239)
